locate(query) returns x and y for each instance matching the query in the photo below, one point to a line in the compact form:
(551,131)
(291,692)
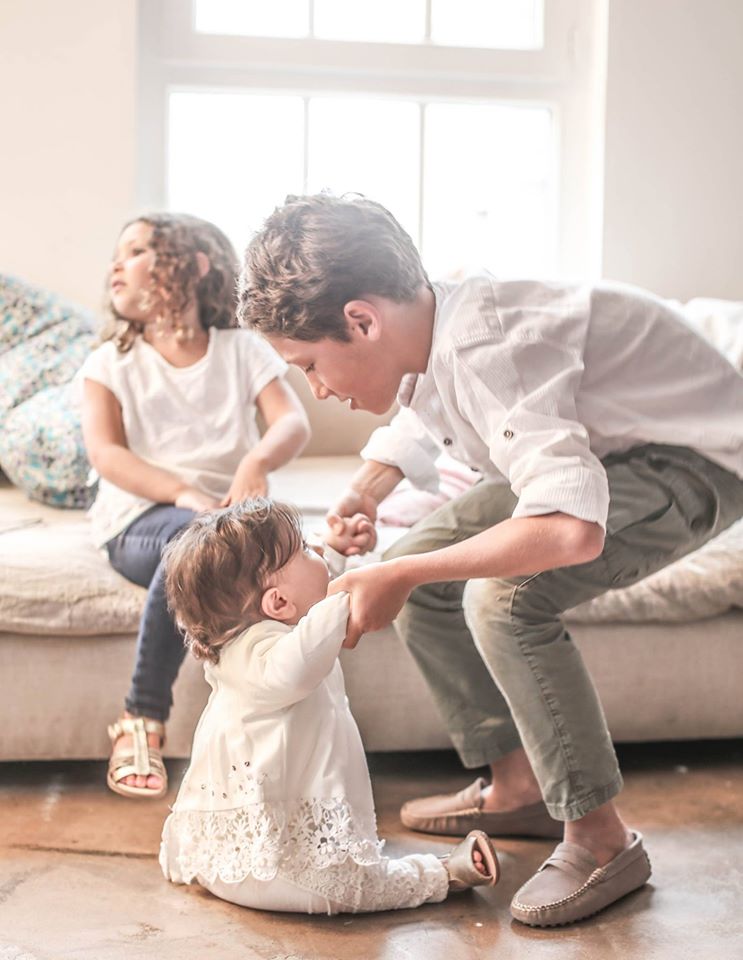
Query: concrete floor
(79,877)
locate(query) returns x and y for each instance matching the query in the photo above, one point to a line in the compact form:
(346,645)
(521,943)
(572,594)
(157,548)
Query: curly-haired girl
(169,419)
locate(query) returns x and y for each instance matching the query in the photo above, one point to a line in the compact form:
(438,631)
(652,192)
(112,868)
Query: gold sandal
(138,760)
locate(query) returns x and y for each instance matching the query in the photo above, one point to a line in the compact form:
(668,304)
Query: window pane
(489,190)
(370,147)
(504,24)
(233,157)
(386,21)
(277,18)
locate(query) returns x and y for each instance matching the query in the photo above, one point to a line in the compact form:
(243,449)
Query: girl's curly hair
(176,239)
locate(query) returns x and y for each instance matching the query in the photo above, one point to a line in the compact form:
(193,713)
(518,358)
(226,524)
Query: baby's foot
(479,863)
(472,863)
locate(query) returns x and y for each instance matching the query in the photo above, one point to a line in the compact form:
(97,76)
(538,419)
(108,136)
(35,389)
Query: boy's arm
(515,547)
(284,671)
(286,436)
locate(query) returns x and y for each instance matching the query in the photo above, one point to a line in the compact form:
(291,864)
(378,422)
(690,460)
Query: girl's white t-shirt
(196,422)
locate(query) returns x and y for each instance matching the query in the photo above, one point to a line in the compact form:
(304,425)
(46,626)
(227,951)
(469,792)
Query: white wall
(67,161)
(673,188)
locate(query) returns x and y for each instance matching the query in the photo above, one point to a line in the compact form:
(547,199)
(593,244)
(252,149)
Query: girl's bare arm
(286,436)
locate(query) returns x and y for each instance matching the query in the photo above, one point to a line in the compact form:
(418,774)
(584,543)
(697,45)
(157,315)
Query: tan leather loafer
(456,814)
(570,885)
(460,865)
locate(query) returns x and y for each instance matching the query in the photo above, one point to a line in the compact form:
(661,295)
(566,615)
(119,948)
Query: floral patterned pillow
(42,451)
(49,358)
(26,310)
(43,342)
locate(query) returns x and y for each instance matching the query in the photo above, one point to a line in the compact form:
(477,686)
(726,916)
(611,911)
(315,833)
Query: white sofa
(68,627)
(666,655)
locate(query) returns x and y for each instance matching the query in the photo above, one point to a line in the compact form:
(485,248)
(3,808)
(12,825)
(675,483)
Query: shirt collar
(416,383)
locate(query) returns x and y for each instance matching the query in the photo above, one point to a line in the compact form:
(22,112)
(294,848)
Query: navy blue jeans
(136,554)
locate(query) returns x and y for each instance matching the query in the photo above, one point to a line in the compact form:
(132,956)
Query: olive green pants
(503,669)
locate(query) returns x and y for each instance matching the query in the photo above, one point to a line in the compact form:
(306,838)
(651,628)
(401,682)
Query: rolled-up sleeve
(536,438)
(405,444)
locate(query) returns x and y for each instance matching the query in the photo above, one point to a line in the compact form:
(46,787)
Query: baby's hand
(350,536)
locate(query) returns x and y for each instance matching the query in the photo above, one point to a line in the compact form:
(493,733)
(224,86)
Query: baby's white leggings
(388,885)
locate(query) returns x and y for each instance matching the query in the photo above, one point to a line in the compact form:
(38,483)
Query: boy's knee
(488,602)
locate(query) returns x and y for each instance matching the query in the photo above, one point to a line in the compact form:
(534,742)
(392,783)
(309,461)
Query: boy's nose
(319,389)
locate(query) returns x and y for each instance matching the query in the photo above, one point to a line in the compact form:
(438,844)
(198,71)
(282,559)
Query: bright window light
(489,190)
(266,18)
(499,24)
(384,21)
(233,157)
(504,24)
(370,147)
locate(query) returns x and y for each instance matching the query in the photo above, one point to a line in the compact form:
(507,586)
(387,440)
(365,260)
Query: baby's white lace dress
(278,784)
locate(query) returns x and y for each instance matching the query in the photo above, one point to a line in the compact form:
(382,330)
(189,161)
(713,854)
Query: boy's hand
(378,594)
(350,536)
(250,480)
(192,499)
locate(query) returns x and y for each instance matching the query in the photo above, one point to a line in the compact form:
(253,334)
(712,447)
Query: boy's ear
(202,263)
(275,606)
(363,317)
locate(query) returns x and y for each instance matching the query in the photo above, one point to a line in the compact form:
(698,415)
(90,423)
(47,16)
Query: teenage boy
(610,440)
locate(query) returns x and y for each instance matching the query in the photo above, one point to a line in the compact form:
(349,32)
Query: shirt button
(508,434)
(447,441)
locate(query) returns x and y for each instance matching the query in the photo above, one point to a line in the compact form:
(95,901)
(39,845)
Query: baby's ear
(276,606)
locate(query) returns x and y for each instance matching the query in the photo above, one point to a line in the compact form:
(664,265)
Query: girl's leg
(136,554)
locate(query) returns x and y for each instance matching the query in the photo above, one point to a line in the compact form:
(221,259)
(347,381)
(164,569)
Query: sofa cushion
(42,449)
(54,582)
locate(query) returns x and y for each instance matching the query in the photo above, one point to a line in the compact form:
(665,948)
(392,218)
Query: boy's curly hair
(315,254)
(176,239)
(217,567)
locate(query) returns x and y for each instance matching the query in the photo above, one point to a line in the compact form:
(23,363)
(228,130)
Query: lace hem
(262,839)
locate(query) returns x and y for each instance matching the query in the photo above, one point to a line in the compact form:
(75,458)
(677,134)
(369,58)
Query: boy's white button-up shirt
(534,382)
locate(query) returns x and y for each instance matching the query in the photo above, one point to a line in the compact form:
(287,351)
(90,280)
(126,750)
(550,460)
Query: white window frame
(567,75)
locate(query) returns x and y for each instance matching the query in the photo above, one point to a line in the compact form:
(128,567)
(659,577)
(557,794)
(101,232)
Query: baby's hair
(315,254)
(176,239)
(217,568)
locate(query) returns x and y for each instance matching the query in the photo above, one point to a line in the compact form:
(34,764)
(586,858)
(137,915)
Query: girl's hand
(350,535)
(250,480)
(351,523)
(192,499)
(378,593)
